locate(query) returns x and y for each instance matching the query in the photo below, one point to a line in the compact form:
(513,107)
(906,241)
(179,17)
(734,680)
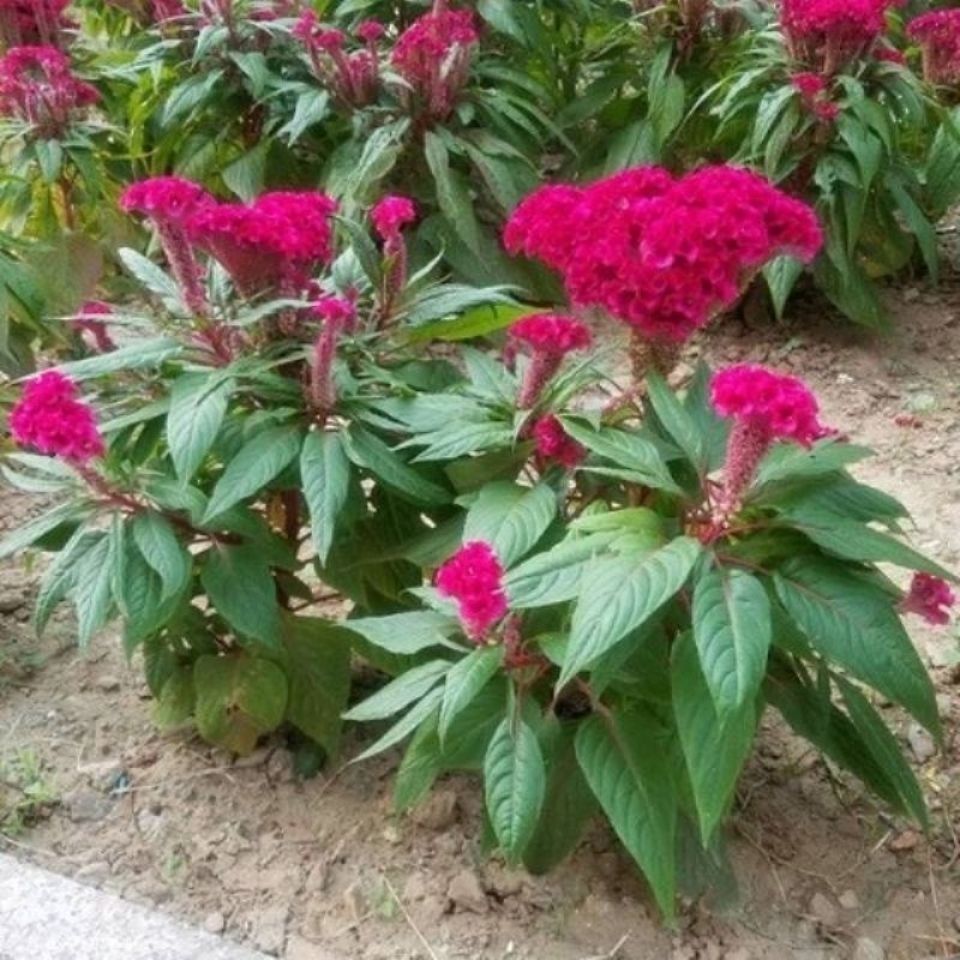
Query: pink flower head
(336,311)
(370,31)
(473,577)
(552,333)
(830,34)
(938,34)
(32,22)
(330,40)
(89,320)
(391,215)
(50,418)
(433,55)
(337,314)
(305,27)
(809,84)
(168,199)
(814,90)
(37,85)
(929,597)
(553,443)
(164,10)
(662,254)
(273,243)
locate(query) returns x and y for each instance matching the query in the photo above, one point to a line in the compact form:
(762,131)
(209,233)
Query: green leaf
(452,195)
(514,784)
(61,575)
(239,698)
(261,460)
(177,701)
(162,550)
(35,530)
(242,590)
(619,594)
(464,681)
(731,627)
(419,769)
(93,588)
(853,623)
(148,273)
(198,404)
(325,475)
(408,688)
(782,275)
(629,773)
(675,419)
(479,321)
(511,518)
(406,633)
(714,747)
(404,726)
(787,461)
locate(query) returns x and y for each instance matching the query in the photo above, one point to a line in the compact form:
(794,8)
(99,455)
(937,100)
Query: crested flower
(938,34)
(765,406)
(814,91)
(51,418)
(37,85)
(164,10)
(336,314)
(353,78)
(554,444)
(929,597)
(664,255)
(90,320)
(548,338)
(473,577)
(433,56)
(32,22)
(391,215)
(273,243)
(169,203)
(370,31)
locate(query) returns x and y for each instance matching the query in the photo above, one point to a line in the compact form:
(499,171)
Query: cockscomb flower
(90,320)
(553,443)
(764,406)
(353,78)
(336,315)
(169,203)
(51,418)
(814,90)
(273,243)
(164,10)
(929,597)
(37,85)
(32,22)
(391,215)
(370,31)
(433,55)
(548,338)
(473,577)
(938,34)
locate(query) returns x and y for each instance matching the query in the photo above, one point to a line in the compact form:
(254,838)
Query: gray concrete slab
(48,917)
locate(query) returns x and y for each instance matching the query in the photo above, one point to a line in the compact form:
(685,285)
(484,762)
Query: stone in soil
(904,841)
(86,806)
(466,893)
(108,683)
(866,949)
(921,743)
(438,812)
(215,922)
(824,910)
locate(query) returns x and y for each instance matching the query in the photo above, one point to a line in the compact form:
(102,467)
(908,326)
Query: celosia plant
(938,34)
(32,22)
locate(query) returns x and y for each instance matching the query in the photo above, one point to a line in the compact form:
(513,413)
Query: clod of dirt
(866,949)
(466,893)
(824,910)
(849,900)
(86,806)
(904,841)
(921,743)
(108,683)
(215,922)
(93,874)
(11,599)
(438,812)
(270,929)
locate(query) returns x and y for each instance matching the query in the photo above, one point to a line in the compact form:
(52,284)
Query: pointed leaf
(464,682)
(325,475)
(511,518)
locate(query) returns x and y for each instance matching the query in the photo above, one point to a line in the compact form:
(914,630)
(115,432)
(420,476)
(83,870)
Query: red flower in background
(929,597)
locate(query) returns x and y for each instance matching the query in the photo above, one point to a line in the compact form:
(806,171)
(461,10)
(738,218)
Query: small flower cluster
(548,338)
(390,215)
(765,406)
(829,35)
(38,86)
(473,577)
(336,315)
(352,78)
(50,418)
(434,54)
(929,597)
(31,22)
(662,254)
(554,444)
(938,34)
(814,90)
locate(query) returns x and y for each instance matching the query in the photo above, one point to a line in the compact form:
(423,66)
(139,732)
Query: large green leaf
(261,460)
(618,594)
(242,590)
(789,462)
(731,626)
(325,475)
(511,518)
(408,688)
(629,773)
(714,746)
(27,535)
(422,711)
(239,698)
(406,633)
(854,624)
(464,681)
(514,784)
(160,547)
(198,405)
(676,419)
(93,588)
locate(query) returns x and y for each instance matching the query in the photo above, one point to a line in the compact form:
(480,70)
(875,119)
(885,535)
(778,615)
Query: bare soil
(297,868)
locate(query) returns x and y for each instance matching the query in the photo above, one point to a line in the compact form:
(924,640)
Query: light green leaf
(511,518)
(404,726)
(464,681)
(406,689)
(162,550)
(242,590)
(405,633)
(198,404)
(325,475)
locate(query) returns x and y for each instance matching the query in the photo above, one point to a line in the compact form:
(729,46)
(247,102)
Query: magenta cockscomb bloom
(554,444)
(433,55)
(273,243)
(51,418)
(32,22)
(391,214)
(336,315)
(938,34)
(169,203)
(664,255)
(828,35)
(929,597)
(473,577)
(370,31)
(164,10)
(352,78)
(814,90)
(548,338)
(765,406)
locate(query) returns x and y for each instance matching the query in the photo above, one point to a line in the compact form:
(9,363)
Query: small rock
(866,949)
(93,873)
(849,900)
(86,806)
(921,743)
(466,893)
(215,922)
(438,812)
(108,683)
(904,841)
(944,704)
(505,882)
(270,929)
(824,910)
(391,834)
(280,767)
(10,600)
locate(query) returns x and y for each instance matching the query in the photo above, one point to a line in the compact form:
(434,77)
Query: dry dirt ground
(248,849)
